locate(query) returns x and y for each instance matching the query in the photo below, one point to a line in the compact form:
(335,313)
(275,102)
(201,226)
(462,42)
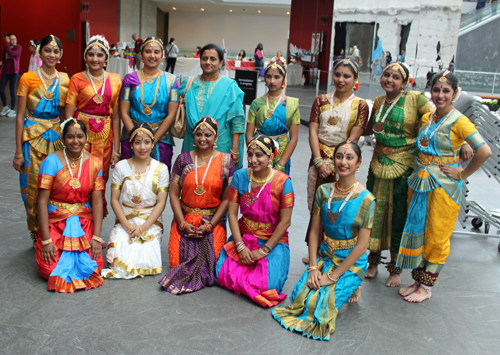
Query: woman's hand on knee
(95,249)
(49,253)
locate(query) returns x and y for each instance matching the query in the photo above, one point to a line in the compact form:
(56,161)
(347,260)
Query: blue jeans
(12,79)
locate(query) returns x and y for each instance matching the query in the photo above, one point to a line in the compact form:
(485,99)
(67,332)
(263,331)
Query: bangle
(97,238)
(140,229)
(311,268)
(182,226)
(208,227)
(262,252)
(18,156)
(331,278)
(235,153)
(241,247)
(117,154)
(267,247)
(238,243)
(47,242)
(459,175)
(277,166)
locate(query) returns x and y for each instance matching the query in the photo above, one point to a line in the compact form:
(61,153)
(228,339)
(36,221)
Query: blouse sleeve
(117,177)
(424,106)
(228,169)
(47,172)
(362,118)
(73,91)
(466,130)
(369,214)
(163,179)
(296,113)
(233,194)
(115,99)
(318,198)
(125,89)
(99,182)
(315,110)
(177,169)
(287,197)
(173,95)
(252,112)
(24,86)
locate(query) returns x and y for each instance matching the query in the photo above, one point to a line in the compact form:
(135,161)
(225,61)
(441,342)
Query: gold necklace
(341,191)
(137,199)
(261,181)
(49,77)
(148,78)
(147,108)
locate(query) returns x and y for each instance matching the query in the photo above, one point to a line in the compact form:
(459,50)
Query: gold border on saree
(427,159)
(151,125)
(335,244)
(41,120)
(390,150)
(255,225)
(72,207)
(327,149)
(198,211)
(93,117)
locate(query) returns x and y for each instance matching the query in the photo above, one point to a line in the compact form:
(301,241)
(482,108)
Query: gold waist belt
(327,149)
(93,117)
(427,159)
(255,225)
(136,209)
(46,121)
(72,207)
(335,244)
(273,137)
(198,211)
(390,150)
(153,126)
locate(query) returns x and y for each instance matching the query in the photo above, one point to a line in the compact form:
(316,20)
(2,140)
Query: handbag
(178,128)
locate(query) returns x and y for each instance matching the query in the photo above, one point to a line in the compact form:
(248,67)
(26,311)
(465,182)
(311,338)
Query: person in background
(388,58)
(279,58)
(340,56)
(451,67)
(479,9)
(241,55)
(137,50)
(10,70)
(114,52)
(171,55)
(197,54)
(35,61)
(402,56)
(259,59)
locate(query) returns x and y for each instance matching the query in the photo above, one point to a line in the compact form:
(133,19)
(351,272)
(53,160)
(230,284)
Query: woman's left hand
(466,152)
(201,230)
(452,171)
(256,255)
(236,158)
(114,160)
(96,249)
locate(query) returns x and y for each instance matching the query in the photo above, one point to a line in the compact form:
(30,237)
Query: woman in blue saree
(42,94)
(150,96)
(345,210)
(276,115)
(219,97)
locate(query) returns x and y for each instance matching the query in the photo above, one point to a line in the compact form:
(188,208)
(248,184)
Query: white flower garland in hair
(100,38)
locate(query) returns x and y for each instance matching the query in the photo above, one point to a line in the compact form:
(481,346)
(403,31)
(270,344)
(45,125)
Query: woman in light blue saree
(217,96)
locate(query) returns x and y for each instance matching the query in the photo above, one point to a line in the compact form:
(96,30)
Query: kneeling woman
(345,210)
(68,248)
(256,259)
(142,183)
(198,194)
(436,183)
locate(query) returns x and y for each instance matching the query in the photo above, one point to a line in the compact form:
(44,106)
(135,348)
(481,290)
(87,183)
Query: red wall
(307,16)
(34,19)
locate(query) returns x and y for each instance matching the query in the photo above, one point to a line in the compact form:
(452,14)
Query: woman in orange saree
(198,194)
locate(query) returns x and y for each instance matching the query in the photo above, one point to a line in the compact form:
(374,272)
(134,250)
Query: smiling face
(274,80)
(210,62)
(346,161)
(441,95)
(152,55)
(50,55)
(95,58)
(75,140)
(392,82)
(142,146)
(343,79)
(257,159)
(204,139)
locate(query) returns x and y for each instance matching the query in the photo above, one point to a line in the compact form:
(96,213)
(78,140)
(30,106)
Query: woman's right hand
(190,231)
(246,257)
(324,171)
(17,163)
(48,253)
(134,231)
(313,280)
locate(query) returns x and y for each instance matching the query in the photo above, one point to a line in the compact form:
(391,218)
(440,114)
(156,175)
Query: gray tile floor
(138,317)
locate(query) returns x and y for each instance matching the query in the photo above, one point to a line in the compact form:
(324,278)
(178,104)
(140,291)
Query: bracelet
(235,153)
(262,252)
(268,247)
(459,175)
(311,268)
(208,227)
(18,156)
(117,154)
(238,243)
(277,166)
(182,226)
(47,242)
(140,229)
(97,238)
(331,278)
(241,247)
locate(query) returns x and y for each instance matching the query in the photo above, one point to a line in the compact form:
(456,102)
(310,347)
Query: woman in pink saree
(256,259)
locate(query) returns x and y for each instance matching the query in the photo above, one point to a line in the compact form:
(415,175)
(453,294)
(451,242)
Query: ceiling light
(288,12)
(230,10)
(174,8)
(202,9)
(259,11)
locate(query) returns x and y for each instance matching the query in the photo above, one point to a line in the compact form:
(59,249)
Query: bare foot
(355,295)
(371,272)
(419,295)
(394,280)
(405,291)
(305,260)
(34,245)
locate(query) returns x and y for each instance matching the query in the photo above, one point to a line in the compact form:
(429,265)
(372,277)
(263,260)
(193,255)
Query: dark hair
(209,121)
(218,49)
(71,123)
(89,47)
(349,63)
(9,34)
(259,46)
(451,79)
(244,53)
(198,49)
(47,39)
(268,143)
(149,39)
(171,40)
(144,126)
(354,147)
(402,65)
(34,42)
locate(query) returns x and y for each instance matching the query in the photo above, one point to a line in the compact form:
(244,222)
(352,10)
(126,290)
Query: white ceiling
(241,7)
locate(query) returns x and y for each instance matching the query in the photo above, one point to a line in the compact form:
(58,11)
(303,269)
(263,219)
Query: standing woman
(259,58)
(198,194)
(68,249)
(35,61)
(219,97)
(334,118)
(94,94)
(436,186)
(395,120)
(276,115)
(150,96)
(256,259)
(345,210)
(42,95)
(172,51)
(134,247)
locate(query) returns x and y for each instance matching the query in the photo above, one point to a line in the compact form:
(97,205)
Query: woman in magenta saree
(256,259)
